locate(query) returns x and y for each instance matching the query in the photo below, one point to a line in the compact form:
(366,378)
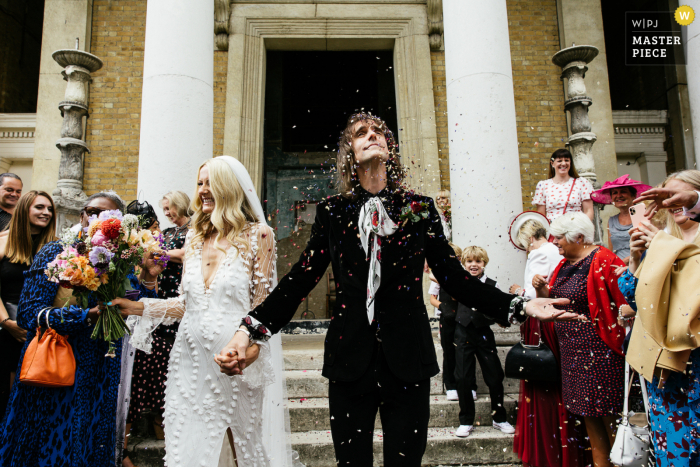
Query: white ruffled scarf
(374,223)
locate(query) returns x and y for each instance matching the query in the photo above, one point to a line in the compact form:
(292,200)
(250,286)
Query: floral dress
(151,370)
(674,410)
(554,195)
(591,372)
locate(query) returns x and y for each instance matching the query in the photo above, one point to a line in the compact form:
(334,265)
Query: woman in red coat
(592,361)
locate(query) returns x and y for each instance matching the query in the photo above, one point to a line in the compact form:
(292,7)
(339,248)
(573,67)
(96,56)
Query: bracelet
(3,321)
(247,333)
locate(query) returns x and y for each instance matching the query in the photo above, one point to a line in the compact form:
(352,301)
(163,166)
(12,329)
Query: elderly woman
(672,364)
(73,425)
(151,370)
(591,352)
(564,191)
(620,193)
(542,417)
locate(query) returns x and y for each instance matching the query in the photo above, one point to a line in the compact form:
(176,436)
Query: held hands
(543,309)
(237,355)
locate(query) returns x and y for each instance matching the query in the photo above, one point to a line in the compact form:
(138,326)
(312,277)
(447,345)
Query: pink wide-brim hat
(602,196)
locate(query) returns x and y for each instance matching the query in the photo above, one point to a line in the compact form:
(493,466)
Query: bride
(229,269)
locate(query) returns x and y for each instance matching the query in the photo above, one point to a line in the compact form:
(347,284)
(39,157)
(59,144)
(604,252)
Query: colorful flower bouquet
(99,260)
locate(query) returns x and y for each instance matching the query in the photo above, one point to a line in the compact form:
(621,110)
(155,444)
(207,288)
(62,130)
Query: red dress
(546,434)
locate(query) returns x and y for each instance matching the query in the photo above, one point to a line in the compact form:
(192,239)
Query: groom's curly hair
(346,174)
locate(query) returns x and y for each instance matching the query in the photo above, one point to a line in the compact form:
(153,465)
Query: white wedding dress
(201,403)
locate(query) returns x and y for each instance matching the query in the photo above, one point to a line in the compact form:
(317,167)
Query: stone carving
(435,25)
(68,195)
(221,16)
(573,61)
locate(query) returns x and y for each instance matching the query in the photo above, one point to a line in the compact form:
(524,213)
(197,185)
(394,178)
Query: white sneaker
(452,395)
(505,427)
(474,394)
(464,430)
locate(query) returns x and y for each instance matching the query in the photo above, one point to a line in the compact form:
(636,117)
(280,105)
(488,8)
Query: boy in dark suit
(474,340)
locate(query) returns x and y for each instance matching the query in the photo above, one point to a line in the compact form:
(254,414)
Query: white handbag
(631,448)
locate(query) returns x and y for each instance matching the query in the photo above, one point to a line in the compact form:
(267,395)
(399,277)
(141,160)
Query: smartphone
(637,213)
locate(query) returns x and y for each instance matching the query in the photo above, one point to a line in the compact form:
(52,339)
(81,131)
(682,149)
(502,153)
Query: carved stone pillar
(573,61)
(68,195)
(435,24)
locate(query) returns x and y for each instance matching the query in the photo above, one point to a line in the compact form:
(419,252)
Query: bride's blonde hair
(232,214)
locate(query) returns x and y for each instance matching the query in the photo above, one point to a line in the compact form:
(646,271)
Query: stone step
(485,445)
(305,352)
(313,415)
(310,383)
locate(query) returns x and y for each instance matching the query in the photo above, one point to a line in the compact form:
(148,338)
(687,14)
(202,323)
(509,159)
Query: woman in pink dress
(564,191)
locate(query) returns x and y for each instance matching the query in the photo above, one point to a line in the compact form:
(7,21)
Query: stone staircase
(310,422)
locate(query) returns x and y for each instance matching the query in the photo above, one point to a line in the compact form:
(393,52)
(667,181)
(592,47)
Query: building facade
(271,83)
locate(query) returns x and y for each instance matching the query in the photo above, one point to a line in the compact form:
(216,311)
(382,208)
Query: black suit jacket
(467,315)
(399,312)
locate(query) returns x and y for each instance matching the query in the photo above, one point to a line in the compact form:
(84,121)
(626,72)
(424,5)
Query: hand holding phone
(637,214)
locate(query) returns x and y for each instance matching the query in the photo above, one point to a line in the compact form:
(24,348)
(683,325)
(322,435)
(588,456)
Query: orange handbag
(49,361)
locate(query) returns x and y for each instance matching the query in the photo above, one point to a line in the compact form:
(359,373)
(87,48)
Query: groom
(379,351)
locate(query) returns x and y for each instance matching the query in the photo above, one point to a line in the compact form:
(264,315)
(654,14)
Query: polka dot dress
(554,195)
(151,370)
(592,374)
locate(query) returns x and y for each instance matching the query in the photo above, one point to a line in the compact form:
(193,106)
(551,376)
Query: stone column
(574,63)
(64,20)
(177,106)
(484,162)
(68,195)
(692,59)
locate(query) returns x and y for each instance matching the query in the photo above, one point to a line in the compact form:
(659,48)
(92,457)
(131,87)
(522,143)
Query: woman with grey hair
(71,425)
(591,351)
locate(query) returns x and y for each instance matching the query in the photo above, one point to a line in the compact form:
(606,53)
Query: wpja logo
(654,37)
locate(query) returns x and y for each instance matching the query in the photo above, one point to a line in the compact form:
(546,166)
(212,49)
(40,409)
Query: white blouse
(542,261)
(554,195)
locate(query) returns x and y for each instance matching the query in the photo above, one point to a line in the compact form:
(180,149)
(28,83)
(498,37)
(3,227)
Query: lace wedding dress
(201,403)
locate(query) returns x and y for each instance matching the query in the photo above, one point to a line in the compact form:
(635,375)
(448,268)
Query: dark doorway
(308,99)
(21,25)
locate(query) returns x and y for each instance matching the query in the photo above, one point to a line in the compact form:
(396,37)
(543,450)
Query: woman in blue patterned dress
(75,426)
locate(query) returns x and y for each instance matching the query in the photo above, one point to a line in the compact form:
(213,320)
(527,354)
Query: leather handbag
(532,362)
(631,447)
(48,361)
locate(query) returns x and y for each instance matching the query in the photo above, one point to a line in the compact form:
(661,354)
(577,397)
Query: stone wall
(220,71)
(437,62)
(118,34)
(539,93)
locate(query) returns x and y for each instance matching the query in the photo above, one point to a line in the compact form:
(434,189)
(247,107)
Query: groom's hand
(543,309)
(232,358)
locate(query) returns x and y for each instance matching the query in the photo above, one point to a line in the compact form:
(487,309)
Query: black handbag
(532,362)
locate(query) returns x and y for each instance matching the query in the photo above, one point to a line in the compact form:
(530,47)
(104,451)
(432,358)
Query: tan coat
(667,328)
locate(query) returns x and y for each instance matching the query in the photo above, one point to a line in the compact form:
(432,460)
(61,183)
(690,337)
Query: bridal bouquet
(99,259)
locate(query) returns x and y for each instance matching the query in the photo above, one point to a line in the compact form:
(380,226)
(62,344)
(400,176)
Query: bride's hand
(127,307)
(228,359)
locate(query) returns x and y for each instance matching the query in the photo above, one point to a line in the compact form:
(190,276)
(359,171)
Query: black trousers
(473,344)
(404,409)
(447,341)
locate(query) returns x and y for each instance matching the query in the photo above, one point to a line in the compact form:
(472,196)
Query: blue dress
(62,426)
(674,410)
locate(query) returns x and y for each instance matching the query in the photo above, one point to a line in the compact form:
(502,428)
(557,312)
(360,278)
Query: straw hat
(518,222)
(602,196)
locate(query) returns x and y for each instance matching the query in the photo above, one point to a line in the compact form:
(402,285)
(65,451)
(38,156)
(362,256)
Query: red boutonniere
(414,212)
